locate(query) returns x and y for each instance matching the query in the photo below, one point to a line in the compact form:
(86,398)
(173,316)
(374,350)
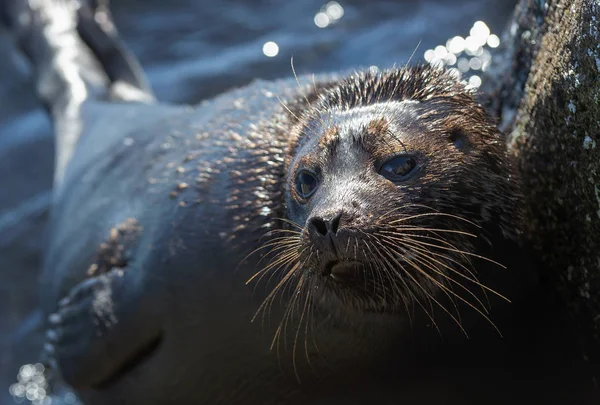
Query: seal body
(334,241)
(156,228)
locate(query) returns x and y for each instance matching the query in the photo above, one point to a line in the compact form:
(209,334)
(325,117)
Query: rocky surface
(546,94)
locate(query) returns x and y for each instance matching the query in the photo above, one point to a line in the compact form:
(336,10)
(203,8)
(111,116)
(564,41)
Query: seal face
(391,180)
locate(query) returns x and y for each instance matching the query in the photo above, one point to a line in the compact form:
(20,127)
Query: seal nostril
(335,223)
(320,225)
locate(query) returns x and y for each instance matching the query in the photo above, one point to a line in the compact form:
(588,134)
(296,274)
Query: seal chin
(345,272)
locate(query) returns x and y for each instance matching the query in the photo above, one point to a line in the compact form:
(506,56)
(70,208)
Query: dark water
(193,50)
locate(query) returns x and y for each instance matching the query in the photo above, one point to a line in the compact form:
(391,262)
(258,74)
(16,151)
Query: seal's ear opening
(459,139)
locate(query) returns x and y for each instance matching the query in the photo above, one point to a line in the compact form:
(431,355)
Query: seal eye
(306,184)
(398,168)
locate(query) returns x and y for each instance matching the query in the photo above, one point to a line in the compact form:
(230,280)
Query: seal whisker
(266,312)
(425,259)
(429,214)
(482,313)
(307,323)
(274,291)
(454,250)
(373,258)
(286,258)
(283,268)
(276,231)
(406,207)
(390,274)
(409,228)
(299,328)
(377,269)
(277,260)
(472,279)
(412,262)
(417,238)
(273,242)
(415,282)
(282,328)
(289,311)
(446,289)
(287,284)
(388,268)
(399,291)
(288,221)
(311,316)
(440,305)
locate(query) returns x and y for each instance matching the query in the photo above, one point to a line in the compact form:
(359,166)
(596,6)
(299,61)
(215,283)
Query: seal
(348,234)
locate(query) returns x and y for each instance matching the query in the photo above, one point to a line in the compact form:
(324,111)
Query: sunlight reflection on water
(466,57)
(329,14)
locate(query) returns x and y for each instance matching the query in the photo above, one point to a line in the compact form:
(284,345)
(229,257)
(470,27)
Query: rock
(546,94)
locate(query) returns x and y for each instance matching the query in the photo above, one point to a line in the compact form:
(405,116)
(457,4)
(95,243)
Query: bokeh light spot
(493,41)
(270,49)
(334,10)
(321,20)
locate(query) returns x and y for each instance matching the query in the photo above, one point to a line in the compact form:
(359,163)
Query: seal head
(394,180)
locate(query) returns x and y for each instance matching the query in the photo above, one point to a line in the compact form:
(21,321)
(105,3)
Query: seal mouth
(344,272)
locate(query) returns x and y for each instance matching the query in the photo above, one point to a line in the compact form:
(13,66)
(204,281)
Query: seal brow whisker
(393,92)
(302,90)
(287,108)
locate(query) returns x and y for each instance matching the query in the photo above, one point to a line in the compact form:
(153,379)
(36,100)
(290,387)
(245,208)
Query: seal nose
(324,226)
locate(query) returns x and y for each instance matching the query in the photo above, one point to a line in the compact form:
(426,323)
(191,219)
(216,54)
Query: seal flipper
(100,329)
